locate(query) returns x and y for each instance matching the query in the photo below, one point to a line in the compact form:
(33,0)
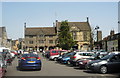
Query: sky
(14,14)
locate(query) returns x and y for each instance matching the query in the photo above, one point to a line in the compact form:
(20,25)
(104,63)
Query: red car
(55,52)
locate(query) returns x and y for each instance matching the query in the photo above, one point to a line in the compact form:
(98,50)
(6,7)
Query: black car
(109,63)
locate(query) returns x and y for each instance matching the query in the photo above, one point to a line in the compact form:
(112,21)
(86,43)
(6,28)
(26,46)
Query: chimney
(112,32)
(87,19)
(56,20)
(25,24)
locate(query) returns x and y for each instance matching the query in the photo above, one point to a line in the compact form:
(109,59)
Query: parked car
(54,57)
(15,52)
(30,61)
(101,52)
(7,55)
(3,66)
(82,62)
(66,58)
(53,52)
(9,58)
(108,63)
(12,55)
(47,54)
(79,55)
(61,56)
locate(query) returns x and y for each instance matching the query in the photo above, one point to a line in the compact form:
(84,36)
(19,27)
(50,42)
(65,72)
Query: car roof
(114,52)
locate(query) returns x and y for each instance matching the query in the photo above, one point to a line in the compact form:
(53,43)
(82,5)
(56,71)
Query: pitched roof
(40,31)
(80,25)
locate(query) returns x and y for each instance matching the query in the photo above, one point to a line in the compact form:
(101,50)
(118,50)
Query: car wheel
(103,69)
(55,59)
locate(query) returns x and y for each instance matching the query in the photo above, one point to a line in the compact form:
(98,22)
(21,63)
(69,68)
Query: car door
(114,63)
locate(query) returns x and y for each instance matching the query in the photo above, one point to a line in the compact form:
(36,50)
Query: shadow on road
(18,69)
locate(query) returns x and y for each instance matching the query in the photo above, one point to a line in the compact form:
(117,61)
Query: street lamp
(96,28)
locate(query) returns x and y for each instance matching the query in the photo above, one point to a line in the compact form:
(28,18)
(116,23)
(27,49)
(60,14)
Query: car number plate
(31,61)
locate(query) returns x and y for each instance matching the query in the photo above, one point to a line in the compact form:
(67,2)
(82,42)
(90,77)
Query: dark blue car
(29,61)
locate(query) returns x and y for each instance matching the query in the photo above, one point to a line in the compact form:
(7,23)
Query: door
(114,63)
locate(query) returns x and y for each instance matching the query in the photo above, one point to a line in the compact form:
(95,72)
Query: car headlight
(94,64)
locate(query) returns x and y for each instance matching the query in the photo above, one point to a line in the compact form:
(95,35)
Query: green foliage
(65,38)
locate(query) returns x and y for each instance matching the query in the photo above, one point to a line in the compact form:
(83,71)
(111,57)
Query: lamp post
(96,28)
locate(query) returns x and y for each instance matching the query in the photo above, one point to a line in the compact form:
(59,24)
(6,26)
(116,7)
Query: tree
(65,39)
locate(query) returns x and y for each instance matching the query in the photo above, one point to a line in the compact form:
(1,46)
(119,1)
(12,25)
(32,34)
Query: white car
(35,52)
(54,57)
(12,55)
(81,55)
(25,52)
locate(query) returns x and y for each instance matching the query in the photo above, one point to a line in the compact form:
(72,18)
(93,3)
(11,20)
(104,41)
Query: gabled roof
(40,31)
(80,25)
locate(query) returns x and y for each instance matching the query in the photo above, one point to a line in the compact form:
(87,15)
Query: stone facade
(3,37)
(81,32)
(46,37)
(40,38)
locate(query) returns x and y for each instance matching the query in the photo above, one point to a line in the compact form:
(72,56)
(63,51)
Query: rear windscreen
(31,58)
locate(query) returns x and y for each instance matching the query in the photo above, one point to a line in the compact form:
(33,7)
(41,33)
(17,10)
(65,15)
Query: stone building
(111,42)
(46,37)
(3,37)
(81,32)
(40,38)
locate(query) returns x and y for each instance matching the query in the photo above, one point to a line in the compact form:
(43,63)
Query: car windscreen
(106,57)
(86,54)
(54,51)
(70,54)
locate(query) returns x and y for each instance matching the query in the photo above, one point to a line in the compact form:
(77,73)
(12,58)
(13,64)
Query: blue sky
(14,14)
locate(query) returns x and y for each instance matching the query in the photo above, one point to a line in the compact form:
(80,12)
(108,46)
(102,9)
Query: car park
(30,61)
(109,63)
